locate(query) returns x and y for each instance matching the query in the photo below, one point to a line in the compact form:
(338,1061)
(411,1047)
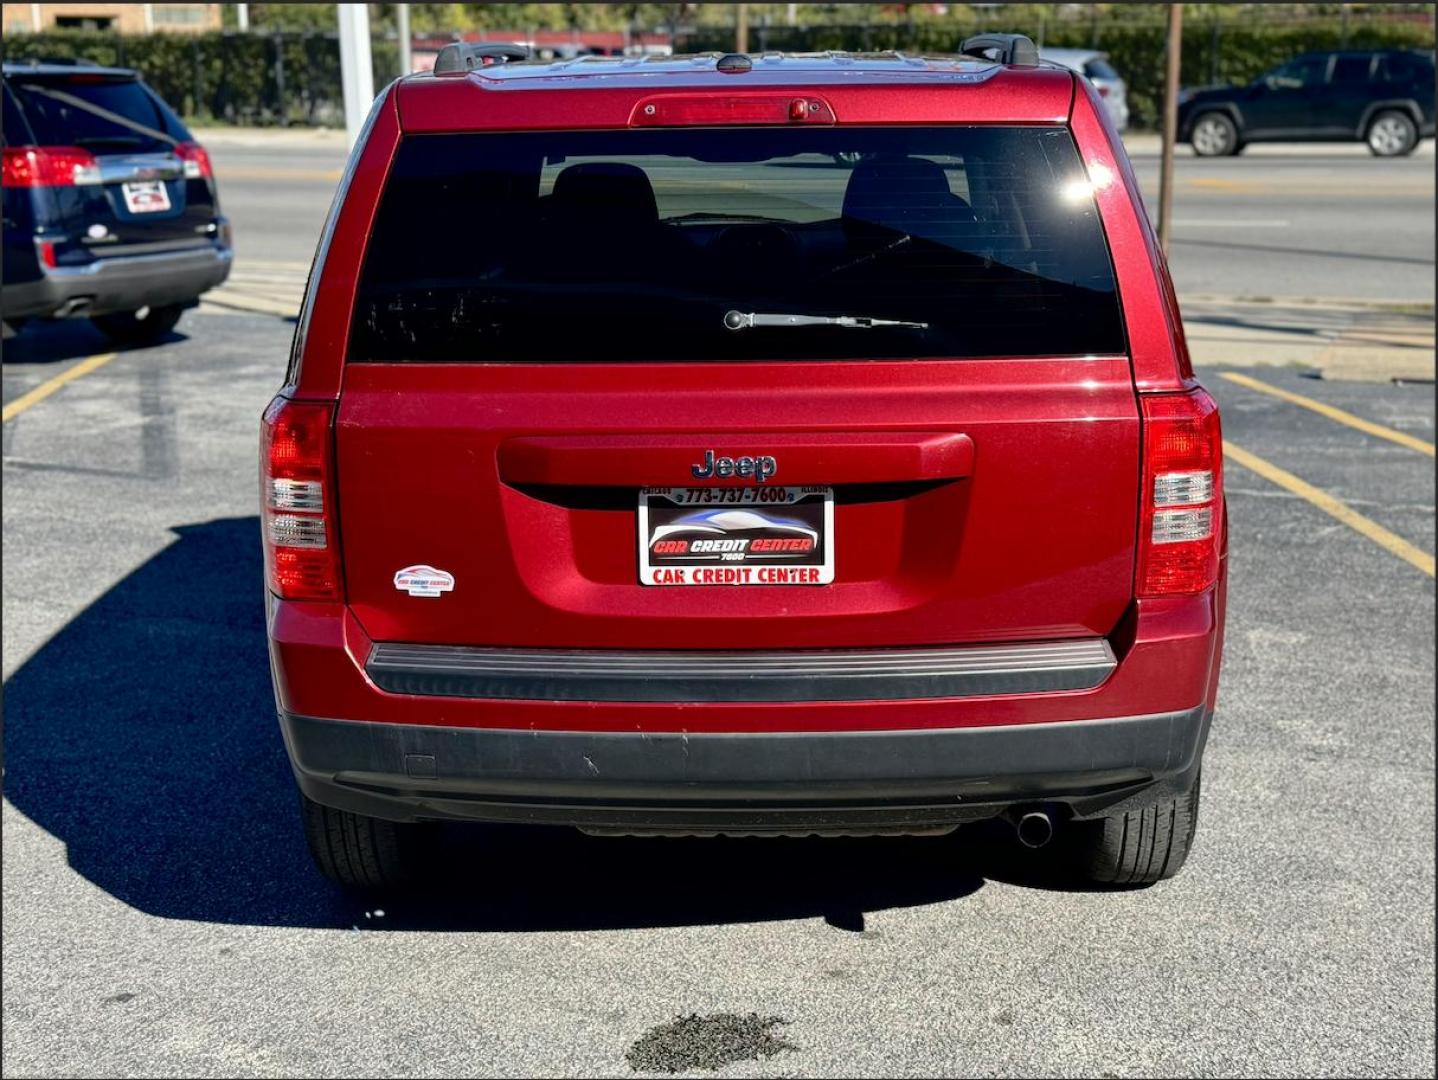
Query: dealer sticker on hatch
(736,536)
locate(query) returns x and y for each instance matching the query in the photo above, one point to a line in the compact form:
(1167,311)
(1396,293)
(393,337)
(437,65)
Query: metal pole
(282,109)
(242,16)
(406,61)
(1170,124)
(741,28)
(356,68)
(149,10)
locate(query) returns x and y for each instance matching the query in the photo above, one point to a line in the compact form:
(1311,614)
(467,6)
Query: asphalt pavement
(162,917)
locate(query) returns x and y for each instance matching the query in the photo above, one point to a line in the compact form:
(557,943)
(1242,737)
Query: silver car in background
(1094,66)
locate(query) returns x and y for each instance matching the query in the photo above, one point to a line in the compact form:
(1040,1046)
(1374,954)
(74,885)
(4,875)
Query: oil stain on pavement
(707,1042)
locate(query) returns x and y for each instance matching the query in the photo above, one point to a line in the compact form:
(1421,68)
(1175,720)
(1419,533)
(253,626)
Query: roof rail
(1015,49)
(463,56)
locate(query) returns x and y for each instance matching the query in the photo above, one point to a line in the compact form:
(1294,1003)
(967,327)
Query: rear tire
(1214,135)
(1391,134)
(360,852)
(1141,846)
(139,327)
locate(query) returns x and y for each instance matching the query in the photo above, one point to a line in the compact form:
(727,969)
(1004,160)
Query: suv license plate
(736,536)
(146,196)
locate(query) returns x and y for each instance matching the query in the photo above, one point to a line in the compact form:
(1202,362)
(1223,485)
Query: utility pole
(1170,125)
(356,68)
(242,16)
(741,28)
(406,61)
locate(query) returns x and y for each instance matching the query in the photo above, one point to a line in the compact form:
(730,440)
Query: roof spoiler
(467,57)
(1015,49)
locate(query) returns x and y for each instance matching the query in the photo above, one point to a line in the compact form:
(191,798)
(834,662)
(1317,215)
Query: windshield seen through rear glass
(103,115)
(737,244)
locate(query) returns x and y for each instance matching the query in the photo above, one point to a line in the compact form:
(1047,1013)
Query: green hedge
(1213,51)
(224,77)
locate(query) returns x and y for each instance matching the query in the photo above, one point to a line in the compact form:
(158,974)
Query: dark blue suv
(1381,97)
(111,210)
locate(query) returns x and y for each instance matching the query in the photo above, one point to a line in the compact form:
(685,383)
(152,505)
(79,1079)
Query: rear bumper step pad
(828,675)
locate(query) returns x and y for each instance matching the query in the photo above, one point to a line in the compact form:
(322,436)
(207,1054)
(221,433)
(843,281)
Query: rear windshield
(103,115)
(736,244)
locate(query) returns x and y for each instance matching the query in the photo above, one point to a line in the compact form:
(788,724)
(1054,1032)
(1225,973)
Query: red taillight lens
(1182,494)
(49,166)
(197,161)
(296,501)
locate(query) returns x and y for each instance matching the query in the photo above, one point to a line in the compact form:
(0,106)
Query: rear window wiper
(744,320)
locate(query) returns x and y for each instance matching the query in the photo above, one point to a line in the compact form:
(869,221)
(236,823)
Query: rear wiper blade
(743,320)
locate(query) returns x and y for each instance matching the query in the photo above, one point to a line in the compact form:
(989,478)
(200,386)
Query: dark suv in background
(1383,98)
(111,210)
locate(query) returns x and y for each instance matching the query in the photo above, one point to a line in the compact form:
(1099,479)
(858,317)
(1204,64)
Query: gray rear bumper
(121,283)
(718,782)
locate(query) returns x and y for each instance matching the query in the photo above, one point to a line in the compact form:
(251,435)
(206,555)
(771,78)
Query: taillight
(297,503)
(49,166)
(1182,494)
(1103,91)
(197,161)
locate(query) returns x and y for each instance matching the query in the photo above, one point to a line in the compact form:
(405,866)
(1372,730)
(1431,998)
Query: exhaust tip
(1035,829)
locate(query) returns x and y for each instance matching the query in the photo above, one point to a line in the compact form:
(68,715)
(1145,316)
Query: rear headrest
(609,193)
(902,194)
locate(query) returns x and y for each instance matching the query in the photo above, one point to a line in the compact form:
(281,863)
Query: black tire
(360,852)
(138,327)
(1392,133)
(1139,847)
(1214,134)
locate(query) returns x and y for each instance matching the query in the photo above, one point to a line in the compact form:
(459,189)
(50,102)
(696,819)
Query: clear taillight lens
(1182,494)
(301,555)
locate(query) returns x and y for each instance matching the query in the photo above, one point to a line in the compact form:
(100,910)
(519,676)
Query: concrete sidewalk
(1341,339)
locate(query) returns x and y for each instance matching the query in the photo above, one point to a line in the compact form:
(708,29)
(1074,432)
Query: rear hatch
(149,188)
(892,355)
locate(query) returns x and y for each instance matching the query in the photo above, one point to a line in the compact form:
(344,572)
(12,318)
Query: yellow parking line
(1329,411)
(49,386)
(1329,505)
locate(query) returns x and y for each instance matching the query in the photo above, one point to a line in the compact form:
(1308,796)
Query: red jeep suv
(759,445)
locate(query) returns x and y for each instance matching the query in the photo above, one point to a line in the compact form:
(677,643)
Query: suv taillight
(49,166)
(196,159)
(1182,494)
(296,501)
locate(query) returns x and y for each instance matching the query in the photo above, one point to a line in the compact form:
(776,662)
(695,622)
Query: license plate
(146,196)
(736,536)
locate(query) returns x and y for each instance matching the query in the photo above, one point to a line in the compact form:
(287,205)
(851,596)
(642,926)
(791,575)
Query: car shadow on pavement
(69,339)
(143,737)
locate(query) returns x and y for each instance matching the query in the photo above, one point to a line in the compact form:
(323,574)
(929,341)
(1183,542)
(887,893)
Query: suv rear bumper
(120,283)
(774,782)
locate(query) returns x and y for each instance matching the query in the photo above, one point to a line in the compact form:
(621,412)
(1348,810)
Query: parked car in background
(1381,97)
(111,211)
(1095,67)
